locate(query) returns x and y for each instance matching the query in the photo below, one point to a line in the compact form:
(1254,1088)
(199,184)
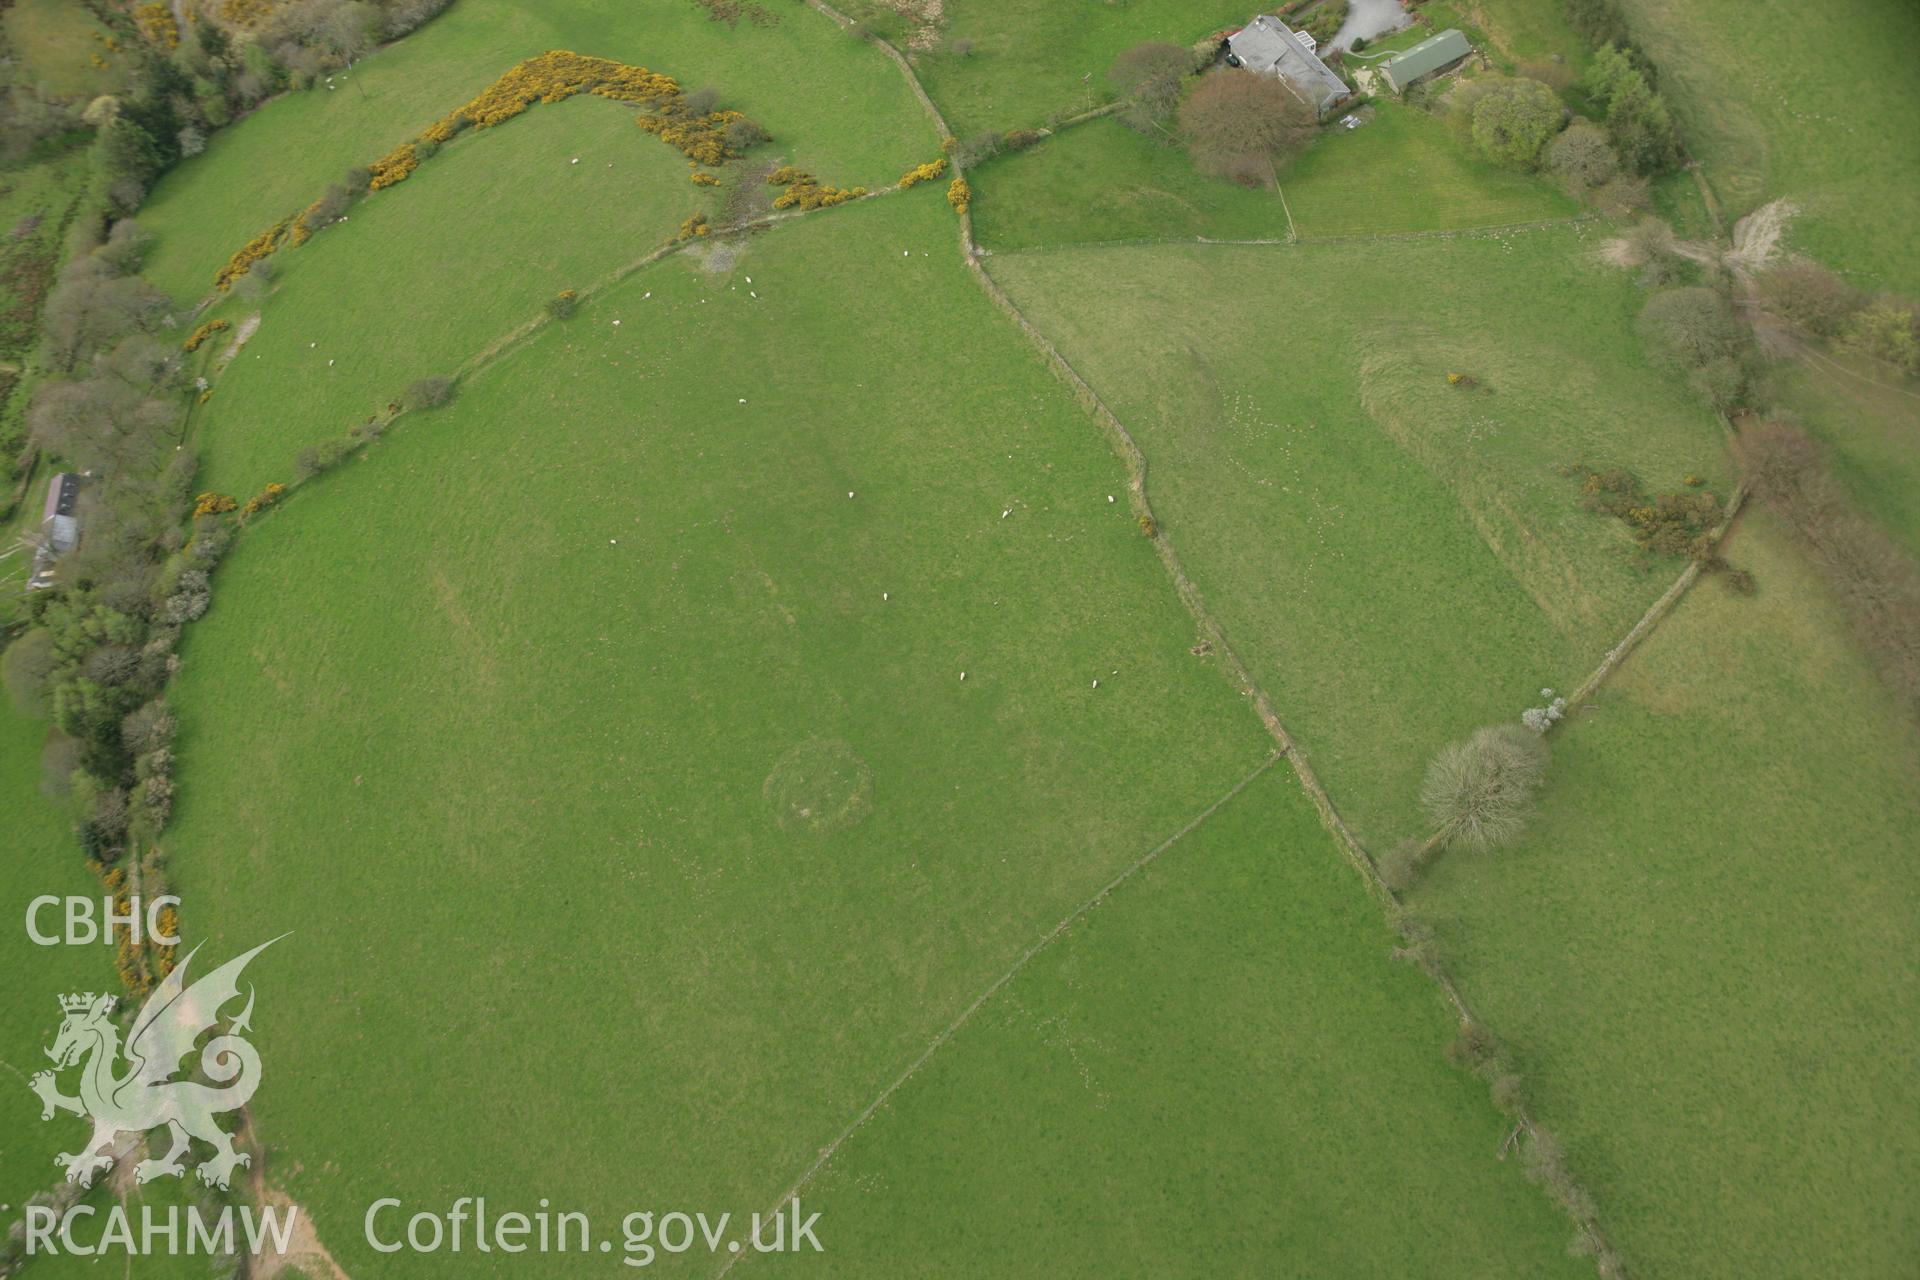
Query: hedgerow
(393,167)
(700,138)
(262,500)
(203,332)
(707,138)
(251,252)
(923,173)
(804,191)
(555,76)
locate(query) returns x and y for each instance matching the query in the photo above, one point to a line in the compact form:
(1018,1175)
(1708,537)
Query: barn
(1430,57)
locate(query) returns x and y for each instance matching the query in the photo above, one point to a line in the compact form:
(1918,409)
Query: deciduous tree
(1242,126)
(1147,79)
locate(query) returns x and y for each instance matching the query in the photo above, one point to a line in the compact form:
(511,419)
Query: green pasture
(1399,172)
(1704,949)
(1528,34)
(833,105)
(596,740)
(1396,558)
(1031,60)
(1402,171)
(41,857)
(653,751)
(61,48)
(429,273)
(1865,414)
(1817,107)
(1215,1072)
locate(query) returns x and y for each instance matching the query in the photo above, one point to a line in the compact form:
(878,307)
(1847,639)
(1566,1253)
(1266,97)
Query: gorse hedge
(706,136)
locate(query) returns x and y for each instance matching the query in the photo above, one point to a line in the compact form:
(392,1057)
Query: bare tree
(1240,125)
(1478,792)
(1148,77)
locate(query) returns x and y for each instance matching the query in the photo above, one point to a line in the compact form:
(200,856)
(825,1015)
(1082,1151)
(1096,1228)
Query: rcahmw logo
(170,1230)
(133,1089)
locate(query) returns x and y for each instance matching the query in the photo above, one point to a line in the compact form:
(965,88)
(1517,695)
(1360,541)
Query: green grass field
(1220,1035)
(41,859)
(62,49)
(657,750)
(1526,33)
(1399,172)
(461,673)
(1705,948)
(1397,559)
(1823,122)
(1868,422)
(393,294)
(849,119)
(1032,59)
(1402,172)
(1102,181)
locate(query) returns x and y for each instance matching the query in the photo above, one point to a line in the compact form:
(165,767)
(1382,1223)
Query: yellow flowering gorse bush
(923,173)
(203,332)
(251,252)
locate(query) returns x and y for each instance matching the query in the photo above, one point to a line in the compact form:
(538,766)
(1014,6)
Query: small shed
(1266,45)
(63,493)
(1429,57)
(59,528)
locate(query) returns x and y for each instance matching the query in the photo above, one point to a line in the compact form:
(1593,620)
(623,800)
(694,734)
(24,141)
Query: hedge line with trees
(94,654)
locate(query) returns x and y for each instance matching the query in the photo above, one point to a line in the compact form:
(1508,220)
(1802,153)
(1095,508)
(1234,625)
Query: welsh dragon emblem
(141,1092)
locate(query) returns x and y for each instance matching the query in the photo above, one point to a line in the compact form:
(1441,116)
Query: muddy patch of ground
(246,330)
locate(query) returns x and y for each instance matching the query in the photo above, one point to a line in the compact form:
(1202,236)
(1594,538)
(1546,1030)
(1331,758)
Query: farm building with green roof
(1436,53)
